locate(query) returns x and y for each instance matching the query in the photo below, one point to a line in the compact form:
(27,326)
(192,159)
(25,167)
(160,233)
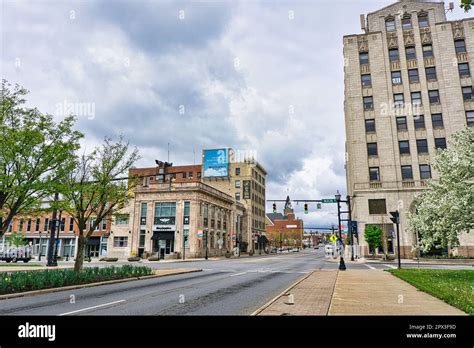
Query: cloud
(265,77)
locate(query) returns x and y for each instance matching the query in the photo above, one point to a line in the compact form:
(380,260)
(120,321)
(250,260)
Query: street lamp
(342,265)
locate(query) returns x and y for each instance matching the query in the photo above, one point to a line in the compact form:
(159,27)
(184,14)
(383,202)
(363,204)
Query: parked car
(295,250)
(16,254)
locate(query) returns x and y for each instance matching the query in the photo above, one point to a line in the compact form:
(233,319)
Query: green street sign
(329,200)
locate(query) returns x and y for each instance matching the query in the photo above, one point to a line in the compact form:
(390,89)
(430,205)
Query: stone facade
(414,28)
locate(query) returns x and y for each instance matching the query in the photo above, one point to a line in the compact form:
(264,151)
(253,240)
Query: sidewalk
(356,292)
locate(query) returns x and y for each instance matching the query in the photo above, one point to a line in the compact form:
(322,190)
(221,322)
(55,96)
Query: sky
(262,77)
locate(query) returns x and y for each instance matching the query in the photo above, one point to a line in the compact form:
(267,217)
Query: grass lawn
(455,287)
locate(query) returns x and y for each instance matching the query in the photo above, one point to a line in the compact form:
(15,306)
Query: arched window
(406,22)
(423,20)
(390,24)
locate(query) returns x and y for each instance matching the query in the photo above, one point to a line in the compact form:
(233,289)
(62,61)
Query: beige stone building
(246,183)
(408,88)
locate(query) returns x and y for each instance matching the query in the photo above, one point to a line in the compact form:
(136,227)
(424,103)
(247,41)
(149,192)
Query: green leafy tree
(373,236)
(93,190)
(34,153)
(466,5)
(16,239)
(445,210)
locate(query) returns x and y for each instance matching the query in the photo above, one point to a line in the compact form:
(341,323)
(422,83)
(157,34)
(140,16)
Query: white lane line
(86,309)
(370,266)
(391,266)
(237,274)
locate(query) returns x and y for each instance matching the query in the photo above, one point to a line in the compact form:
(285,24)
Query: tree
(373,236)
(16,239)
(34,153)
(95,189)
(466,5)
(445,210)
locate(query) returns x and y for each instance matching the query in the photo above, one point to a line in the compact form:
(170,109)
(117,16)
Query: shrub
(134,258)
(13,282)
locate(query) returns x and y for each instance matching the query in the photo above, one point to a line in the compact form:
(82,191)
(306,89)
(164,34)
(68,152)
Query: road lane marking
(391,266)
(94,307)
(237,274)
(370,266)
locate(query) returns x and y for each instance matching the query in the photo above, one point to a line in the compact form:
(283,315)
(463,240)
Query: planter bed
(23,281)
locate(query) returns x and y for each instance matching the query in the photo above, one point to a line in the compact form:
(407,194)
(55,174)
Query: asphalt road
(224,287)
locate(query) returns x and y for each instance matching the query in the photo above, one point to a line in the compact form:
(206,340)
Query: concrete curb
(268,304)
(90,285)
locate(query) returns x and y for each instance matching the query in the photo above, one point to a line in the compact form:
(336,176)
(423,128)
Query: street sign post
(328,200)
(396,220)
(333,238)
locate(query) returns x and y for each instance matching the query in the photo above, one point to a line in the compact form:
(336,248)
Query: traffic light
(318,205)
(274,207)
(395,217)
(306,208)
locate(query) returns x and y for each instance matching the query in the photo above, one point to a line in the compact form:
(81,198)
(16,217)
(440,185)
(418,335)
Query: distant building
(408,88)
(284,229)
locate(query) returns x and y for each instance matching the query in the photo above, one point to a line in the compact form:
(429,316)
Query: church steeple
(288,207)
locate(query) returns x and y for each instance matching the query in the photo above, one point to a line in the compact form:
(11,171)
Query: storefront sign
(246,188)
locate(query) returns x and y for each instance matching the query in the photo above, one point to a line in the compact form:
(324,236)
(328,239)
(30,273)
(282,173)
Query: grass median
(15,282)
(455,287)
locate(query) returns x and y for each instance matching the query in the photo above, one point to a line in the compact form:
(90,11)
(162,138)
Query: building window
(460,46)
(407,173)
(434,96)
(237,171)
(398,100)
(413,76)
(390,25)
(71,224)
(372,149)
(377,206)
(437,120)
(120,242)
(184,175)
(425,171)
(370,125)
(121,219)
(374,174)
(28,225)
(46,224)
(393,54)
(440,143)
(470,118)
(428,51)
(396,77)
(237,196)
(165,213)
(410,53)
(104,224)
(368,103)
(404,146)
(416,98)
(37,225)
(402,123)
(419,122)
(363,58)
(464,70)
(422,146)
(423,21)
(431,73)
(237,183)
(406,23)
(63,224)
(143,211)
(366,80)
(467,93)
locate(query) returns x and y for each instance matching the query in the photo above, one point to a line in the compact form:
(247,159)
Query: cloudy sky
(263,76)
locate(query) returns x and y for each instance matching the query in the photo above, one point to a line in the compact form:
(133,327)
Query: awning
(262,239)
(93,241)
(163,235)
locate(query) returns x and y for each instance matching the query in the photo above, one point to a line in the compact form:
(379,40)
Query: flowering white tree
(446,209)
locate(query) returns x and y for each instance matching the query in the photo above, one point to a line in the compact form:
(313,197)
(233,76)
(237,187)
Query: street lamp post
(206,245)
(52,239)
(342,265)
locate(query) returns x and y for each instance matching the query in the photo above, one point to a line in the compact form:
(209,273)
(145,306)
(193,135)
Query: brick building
(284,229)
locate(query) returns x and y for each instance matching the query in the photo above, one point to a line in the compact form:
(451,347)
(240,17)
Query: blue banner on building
(216,163)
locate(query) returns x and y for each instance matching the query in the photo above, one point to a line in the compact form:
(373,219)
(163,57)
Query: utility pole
(52,239)
(206,256)
(184,245)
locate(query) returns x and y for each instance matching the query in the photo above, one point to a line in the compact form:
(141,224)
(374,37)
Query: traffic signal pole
(398,243)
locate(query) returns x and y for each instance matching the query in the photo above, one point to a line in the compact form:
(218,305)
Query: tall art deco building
(408,88)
